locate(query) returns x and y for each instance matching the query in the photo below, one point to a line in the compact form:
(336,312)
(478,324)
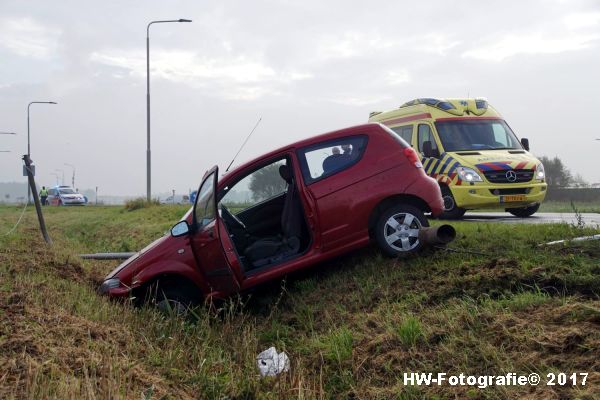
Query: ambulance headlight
(539,172)
(468,174)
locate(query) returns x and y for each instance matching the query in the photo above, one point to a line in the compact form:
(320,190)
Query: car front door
(222,276)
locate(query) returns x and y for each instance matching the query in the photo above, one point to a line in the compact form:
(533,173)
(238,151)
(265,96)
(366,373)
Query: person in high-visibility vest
(44,195)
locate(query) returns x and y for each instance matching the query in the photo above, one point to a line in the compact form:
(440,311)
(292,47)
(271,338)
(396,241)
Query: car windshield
(460,135)
(67,191)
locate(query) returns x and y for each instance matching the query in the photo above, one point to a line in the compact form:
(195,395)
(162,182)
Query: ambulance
(466,145)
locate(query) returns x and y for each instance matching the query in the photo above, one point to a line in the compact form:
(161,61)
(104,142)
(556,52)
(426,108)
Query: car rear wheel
(397,230)
(524,212)
(451,210)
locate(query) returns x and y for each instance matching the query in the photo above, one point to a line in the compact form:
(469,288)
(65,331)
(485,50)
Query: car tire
(403,223)
(524,212)
(173,297)
(451,211)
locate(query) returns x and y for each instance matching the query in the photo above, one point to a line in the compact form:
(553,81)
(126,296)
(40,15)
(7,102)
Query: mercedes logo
(511,176)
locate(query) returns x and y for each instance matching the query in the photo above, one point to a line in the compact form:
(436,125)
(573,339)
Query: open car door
(206,242)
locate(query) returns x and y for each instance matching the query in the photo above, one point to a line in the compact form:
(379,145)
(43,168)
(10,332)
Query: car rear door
(219,266)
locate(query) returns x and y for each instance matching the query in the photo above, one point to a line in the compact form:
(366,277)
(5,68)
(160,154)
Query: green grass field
(351,327)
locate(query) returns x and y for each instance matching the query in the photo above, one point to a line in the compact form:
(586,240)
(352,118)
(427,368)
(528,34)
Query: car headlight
(108,284)
(468,174)
(539,172)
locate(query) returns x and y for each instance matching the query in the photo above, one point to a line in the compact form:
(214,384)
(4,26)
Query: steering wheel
(233,217)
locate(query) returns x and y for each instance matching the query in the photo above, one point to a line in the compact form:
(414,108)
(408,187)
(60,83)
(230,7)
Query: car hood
(490,160)
(137,255)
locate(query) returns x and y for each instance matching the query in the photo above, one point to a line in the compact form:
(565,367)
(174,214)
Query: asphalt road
(590,219)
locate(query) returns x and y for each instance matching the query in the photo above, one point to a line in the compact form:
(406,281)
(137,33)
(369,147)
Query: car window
(52,192)
(205,206)
(405,132)
(328,158)
(258,186)
(424,135)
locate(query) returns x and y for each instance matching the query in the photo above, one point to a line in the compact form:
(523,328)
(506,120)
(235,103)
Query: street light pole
(148,153)
(28,139)
(73,176)
(62,171)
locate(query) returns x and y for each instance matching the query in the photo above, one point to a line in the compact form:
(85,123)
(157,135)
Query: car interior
(268,226)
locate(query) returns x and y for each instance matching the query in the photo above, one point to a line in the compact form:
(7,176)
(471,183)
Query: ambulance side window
(405,132)
(426,141)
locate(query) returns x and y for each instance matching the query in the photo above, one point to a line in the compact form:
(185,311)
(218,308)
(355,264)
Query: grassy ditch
(351,327)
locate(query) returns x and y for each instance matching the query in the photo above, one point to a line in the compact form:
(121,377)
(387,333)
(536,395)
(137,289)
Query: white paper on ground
(271,363)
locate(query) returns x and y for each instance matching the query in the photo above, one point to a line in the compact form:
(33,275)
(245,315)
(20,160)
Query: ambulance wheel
(524,212)
(451,211)
(397,230)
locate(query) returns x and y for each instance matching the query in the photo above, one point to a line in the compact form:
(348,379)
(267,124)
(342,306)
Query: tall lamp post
(28,139)
(56,175)
(62,171)
(148,157)
(72,176)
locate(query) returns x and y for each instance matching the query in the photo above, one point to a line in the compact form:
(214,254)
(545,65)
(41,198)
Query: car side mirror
(525,143)
(179,229)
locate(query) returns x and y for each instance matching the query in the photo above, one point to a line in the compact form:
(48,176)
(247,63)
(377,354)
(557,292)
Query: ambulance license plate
(511,198)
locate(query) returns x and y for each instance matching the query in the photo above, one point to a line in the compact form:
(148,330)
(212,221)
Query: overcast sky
(306,67)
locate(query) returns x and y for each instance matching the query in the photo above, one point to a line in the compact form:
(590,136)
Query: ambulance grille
(523,175)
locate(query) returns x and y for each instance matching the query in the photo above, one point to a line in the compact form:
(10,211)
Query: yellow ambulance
(471,151)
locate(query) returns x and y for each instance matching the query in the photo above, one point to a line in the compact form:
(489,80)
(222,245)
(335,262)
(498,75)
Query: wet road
(590,219)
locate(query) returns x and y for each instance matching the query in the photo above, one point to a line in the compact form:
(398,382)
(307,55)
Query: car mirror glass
(179,229)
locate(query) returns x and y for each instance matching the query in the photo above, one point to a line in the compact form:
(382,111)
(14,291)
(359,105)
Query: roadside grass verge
(351,326)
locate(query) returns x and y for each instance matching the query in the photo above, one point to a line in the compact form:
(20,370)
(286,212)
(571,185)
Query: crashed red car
(285,211)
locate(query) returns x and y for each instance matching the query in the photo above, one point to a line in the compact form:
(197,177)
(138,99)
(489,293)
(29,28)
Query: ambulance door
(428,146)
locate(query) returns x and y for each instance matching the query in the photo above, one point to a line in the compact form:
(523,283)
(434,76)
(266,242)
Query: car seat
(273,249)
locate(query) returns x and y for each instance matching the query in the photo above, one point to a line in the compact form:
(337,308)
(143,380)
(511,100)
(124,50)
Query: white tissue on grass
(271,363)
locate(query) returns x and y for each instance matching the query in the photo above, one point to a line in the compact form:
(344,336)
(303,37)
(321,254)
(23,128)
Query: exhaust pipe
(437,235)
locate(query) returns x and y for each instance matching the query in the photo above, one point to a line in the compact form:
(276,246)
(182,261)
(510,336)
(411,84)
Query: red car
(285,211)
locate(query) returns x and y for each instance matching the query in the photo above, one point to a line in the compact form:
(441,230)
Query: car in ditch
(284,211)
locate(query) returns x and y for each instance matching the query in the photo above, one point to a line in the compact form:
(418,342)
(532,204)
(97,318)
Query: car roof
(367,128)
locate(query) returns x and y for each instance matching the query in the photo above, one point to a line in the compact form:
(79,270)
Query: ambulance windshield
(476,134)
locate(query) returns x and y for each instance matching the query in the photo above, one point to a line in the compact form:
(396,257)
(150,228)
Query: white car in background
(65,196)
(179,199)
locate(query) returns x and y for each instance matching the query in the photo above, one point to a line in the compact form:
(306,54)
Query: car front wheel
(451,210)
(397,230)
(524,212)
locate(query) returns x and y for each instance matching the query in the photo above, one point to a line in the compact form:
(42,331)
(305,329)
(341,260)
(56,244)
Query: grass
(558,206)
(351,326)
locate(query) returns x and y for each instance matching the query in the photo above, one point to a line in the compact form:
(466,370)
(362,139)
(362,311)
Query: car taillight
(412,156)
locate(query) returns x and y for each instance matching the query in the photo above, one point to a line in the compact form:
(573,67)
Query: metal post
(28,155)
(148,155)
(148,152)
(36,199)
(28,139)
(73,175)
